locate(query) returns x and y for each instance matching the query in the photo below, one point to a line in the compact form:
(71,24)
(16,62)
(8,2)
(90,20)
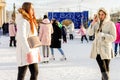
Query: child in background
(82,31)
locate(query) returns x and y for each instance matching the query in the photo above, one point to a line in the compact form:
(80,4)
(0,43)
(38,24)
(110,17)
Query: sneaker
(115,54)
(52,58)
(45,60)
(63,59)
(10,45)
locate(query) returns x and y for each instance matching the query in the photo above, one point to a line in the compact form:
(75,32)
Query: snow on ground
(78,66)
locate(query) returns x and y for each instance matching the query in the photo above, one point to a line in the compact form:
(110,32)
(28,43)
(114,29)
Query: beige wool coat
(102,43)
(105,47)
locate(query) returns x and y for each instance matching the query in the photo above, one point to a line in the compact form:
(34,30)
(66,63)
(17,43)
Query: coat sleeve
(13,27)
(52,29)
(41,31)
(118,29)
(111,36)
(23,35)
(90,30)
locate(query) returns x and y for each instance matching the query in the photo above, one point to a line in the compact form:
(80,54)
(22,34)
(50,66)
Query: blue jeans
(116,47)
(60,50)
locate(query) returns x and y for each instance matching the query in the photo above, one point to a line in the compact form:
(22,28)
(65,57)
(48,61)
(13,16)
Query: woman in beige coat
(105,34)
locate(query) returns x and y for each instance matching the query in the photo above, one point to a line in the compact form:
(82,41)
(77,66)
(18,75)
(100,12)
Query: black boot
(14,43)
(10,43)
(105,75)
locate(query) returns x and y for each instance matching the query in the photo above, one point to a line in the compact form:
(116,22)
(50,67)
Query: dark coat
(64,31)
(56,36)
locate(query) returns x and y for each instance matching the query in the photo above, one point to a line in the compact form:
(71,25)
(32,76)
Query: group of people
(50,35)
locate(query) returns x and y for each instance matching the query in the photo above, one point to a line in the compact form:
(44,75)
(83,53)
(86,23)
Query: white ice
(78,66)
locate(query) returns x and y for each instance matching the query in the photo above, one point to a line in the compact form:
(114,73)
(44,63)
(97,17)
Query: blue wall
(76,17)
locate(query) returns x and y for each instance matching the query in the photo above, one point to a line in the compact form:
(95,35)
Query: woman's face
(102,15)
(31,10)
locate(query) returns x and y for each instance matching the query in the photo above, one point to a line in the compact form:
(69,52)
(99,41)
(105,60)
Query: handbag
(34,41)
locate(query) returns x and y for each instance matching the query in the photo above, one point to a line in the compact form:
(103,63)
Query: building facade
(2,12)
(115,16)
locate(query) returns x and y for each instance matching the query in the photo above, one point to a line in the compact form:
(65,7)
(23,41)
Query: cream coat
(109,35)
(23,32)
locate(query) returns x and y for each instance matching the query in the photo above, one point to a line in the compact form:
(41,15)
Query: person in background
(60,25)
(56,40)
(105,35)
(71,30)
(45,32)
(82,30)
(5,27)
(117,41)
(64,34)
(12,33)
(27,58)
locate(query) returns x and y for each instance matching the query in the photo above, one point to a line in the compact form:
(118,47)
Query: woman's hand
(94,20)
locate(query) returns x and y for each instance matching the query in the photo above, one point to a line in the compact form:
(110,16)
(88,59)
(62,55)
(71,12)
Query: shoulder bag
(34,41)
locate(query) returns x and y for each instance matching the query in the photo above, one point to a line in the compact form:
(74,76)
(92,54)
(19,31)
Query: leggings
(33,70)
(71,36)
(84,36)
(45,51)
(12,41)
(103,64)
(104,67)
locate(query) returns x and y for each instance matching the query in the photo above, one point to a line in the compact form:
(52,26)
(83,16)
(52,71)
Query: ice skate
(63,58)
(52,58)
(45,60)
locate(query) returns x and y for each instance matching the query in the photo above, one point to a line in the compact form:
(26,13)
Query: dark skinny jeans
(33,70)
